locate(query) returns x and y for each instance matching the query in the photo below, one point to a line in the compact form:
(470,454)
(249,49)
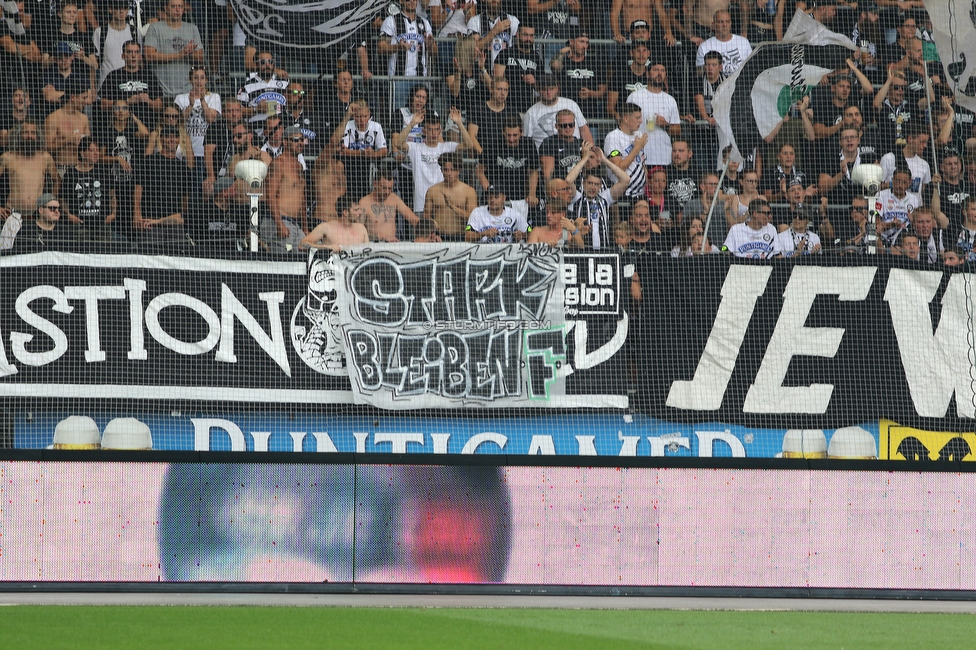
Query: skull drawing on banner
(315,330)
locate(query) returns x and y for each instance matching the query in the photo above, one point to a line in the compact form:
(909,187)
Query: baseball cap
(494,190)
(293,130)
(44,199)
(639,24)
(63,49)
(794,180)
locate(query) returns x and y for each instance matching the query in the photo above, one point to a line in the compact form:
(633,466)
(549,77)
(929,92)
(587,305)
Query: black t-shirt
(164,183)
(518,64)
(824,110)
(508,167)
(120,84)
(893,123)
(88,194)
(951,200)
(7,120)
(771,179)
(490,124)
(626,82)
(48,39)
(589,73)
(34,238)
(126,145)
(566,154)
(221,229)
(220,136)
(77,79)
(311,127)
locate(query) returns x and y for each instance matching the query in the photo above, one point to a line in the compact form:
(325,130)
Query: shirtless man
(286,196)
(634,10)
(29,168)
(450,202)
(699,19)
(559,229)
(330,173)
(65,127)
(380,208)
(347,230)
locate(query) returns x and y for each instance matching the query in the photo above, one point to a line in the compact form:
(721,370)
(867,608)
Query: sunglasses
(566,125)
(53,208)
(266,61)
(239,136)
(300,93)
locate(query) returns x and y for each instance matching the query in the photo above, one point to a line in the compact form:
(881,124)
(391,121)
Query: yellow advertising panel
(907,443)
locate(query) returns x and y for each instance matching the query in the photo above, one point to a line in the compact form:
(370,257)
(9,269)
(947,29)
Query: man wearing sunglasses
(47,231)
(286,228)
(263,88)
(297,116)
(755,238)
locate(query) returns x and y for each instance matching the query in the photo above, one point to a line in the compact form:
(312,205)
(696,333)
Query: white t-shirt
(744,241)
(501,42)
(618,143)
(540,120)
(456,22)
(895,210)
(415,66)
(921,172)
(795,243)
(507,223)
(426,171)
(371,138)
(112,58)
(734,52)
(196,124)
(657,151)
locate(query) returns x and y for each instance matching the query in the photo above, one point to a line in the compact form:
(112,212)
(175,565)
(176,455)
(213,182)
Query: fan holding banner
(753,100)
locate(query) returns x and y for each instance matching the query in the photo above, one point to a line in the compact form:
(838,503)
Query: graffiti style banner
(455,326)
(813,344)
(476,325)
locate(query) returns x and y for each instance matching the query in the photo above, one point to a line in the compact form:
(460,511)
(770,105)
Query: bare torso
(340,233)
(291,190)
(27,175)
(65,130)
(705,11)
(637,10)
(379,217)
(330,184)
(450,207)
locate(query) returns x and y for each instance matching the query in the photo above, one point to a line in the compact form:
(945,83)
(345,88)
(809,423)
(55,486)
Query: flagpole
(708,220)
(929,93)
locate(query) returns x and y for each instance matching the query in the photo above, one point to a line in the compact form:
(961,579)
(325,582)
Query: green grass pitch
(292,628)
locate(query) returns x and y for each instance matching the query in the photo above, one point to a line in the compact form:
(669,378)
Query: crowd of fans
(125,135)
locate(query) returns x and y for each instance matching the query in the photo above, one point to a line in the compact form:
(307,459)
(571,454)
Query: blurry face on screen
(295,523)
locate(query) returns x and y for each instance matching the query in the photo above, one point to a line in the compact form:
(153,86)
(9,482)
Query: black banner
(819,343)
(269,332)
